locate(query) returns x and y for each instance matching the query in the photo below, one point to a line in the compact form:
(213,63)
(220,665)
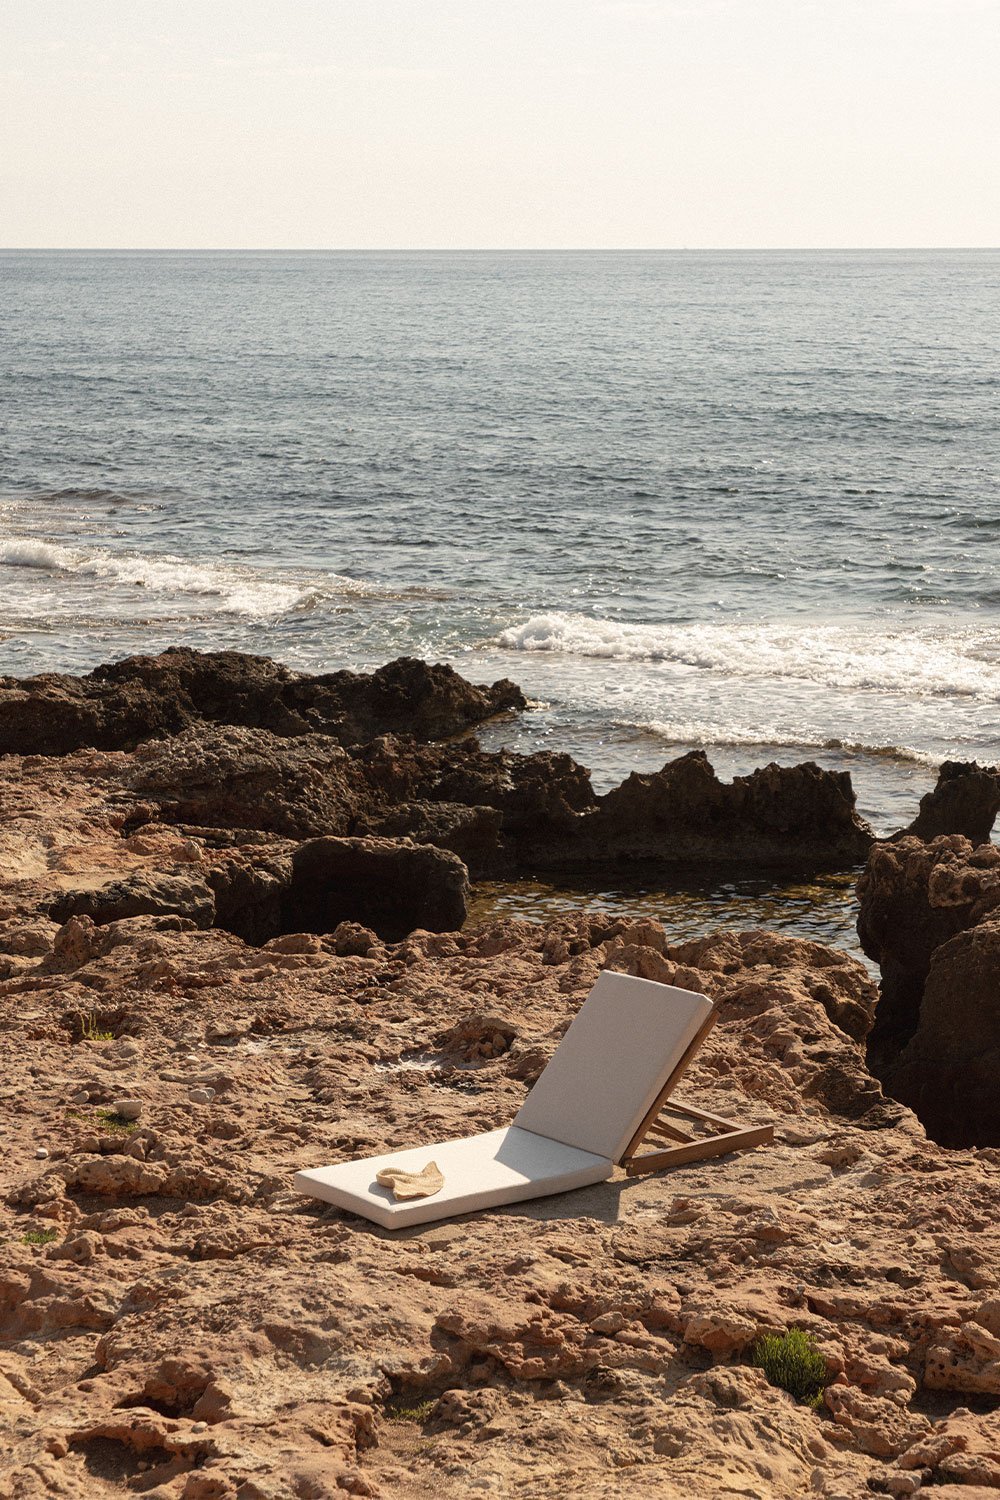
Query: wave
(951,662)
(239,591)
(707,737)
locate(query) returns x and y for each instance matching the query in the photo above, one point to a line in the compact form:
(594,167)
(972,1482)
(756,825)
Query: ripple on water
(821,908)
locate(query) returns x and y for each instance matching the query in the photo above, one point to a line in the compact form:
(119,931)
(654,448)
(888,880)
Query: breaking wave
(705,736)
(960,662)
(238,591)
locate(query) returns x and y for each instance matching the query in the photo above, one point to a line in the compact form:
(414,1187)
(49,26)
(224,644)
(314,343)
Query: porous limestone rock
(965,800)
(119,705)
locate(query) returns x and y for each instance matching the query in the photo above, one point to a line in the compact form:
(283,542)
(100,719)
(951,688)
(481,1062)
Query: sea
(747,502)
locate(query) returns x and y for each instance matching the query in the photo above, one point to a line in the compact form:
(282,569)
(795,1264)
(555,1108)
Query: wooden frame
(718,1136)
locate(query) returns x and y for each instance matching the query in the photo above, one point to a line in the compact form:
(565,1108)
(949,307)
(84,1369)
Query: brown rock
(947,1073)
(117,706)
(780,815)
(965,800)
(392,887)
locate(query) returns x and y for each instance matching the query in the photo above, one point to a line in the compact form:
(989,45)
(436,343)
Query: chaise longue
(605,1098)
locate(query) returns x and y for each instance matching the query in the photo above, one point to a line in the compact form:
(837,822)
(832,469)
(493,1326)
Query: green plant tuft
(111,1120)
(91,1031)
(792,1361)
(40,1236)
(397,1412)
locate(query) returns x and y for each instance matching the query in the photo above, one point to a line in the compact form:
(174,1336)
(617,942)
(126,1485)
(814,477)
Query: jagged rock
(502,813)
(473,833)
(222,777)
(141,894)
(965,800)
(117,706)
(913,897)
(799,816)
(779,815)
(390,886)
(538,796)
(948,1071)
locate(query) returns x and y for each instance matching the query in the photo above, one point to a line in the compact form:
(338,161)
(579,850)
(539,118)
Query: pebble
(82,1097)
(201,1096)
(199,1426)
(41,1154)
(129,1109)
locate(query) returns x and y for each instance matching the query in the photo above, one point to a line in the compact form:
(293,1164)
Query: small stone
(81,1097)
(129,1109)
(201,1096)
(199,1426)
(41,1154)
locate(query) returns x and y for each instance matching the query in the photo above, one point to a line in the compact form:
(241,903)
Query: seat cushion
(624,1043)
(480,1171)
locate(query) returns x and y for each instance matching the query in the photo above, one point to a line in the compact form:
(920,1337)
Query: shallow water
(745,501)
(821,908)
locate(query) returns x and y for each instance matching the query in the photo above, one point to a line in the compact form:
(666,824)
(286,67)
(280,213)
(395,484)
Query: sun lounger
(607,1092)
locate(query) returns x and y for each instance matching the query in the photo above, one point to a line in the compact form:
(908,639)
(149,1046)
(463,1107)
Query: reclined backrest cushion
(621,1048)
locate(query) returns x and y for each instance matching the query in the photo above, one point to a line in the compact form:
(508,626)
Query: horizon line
(481,249)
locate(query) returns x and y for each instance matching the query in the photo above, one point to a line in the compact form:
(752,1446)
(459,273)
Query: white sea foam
(238,591)
(947,661)
(687,732)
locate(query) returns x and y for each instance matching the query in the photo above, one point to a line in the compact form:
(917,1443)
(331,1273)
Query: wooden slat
(664,1132)
(716,1145)
(684,1108)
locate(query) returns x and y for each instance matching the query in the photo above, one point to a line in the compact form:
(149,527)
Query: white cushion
(624,1042)
(480,1171)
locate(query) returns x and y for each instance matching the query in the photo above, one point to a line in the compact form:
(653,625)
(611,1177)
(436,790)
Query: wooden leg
(714,1145)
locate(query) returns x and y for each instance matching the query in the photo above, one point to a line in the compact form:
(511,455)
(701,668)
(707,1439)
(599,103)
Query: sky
(499,123)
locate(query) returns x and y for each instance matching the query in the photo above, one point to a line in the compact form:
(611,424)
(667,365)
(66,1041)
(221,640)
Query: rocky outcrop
(799,816)
(224,777)
(175,1319)
(390,885)
(921,908)
(503,813)
(115,707)
(949,1070)
(965,800)
(792,816)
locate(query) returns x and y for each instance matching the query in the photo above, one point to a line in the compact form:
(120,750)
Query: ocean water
(743,501)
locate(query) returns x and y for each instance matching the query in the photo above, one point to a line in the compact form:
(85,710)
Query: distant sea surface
(742,501)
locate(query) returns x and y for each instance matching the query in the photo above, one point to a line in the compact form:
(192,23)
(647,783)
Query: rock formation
(928,916)
(116,707)
(779,815)
(177,1322)
(232,741)
(965,800)
(216,968)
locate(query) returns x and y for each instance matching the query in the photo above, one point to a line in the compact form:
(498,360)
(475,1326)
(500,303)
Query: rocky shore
(233,943)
